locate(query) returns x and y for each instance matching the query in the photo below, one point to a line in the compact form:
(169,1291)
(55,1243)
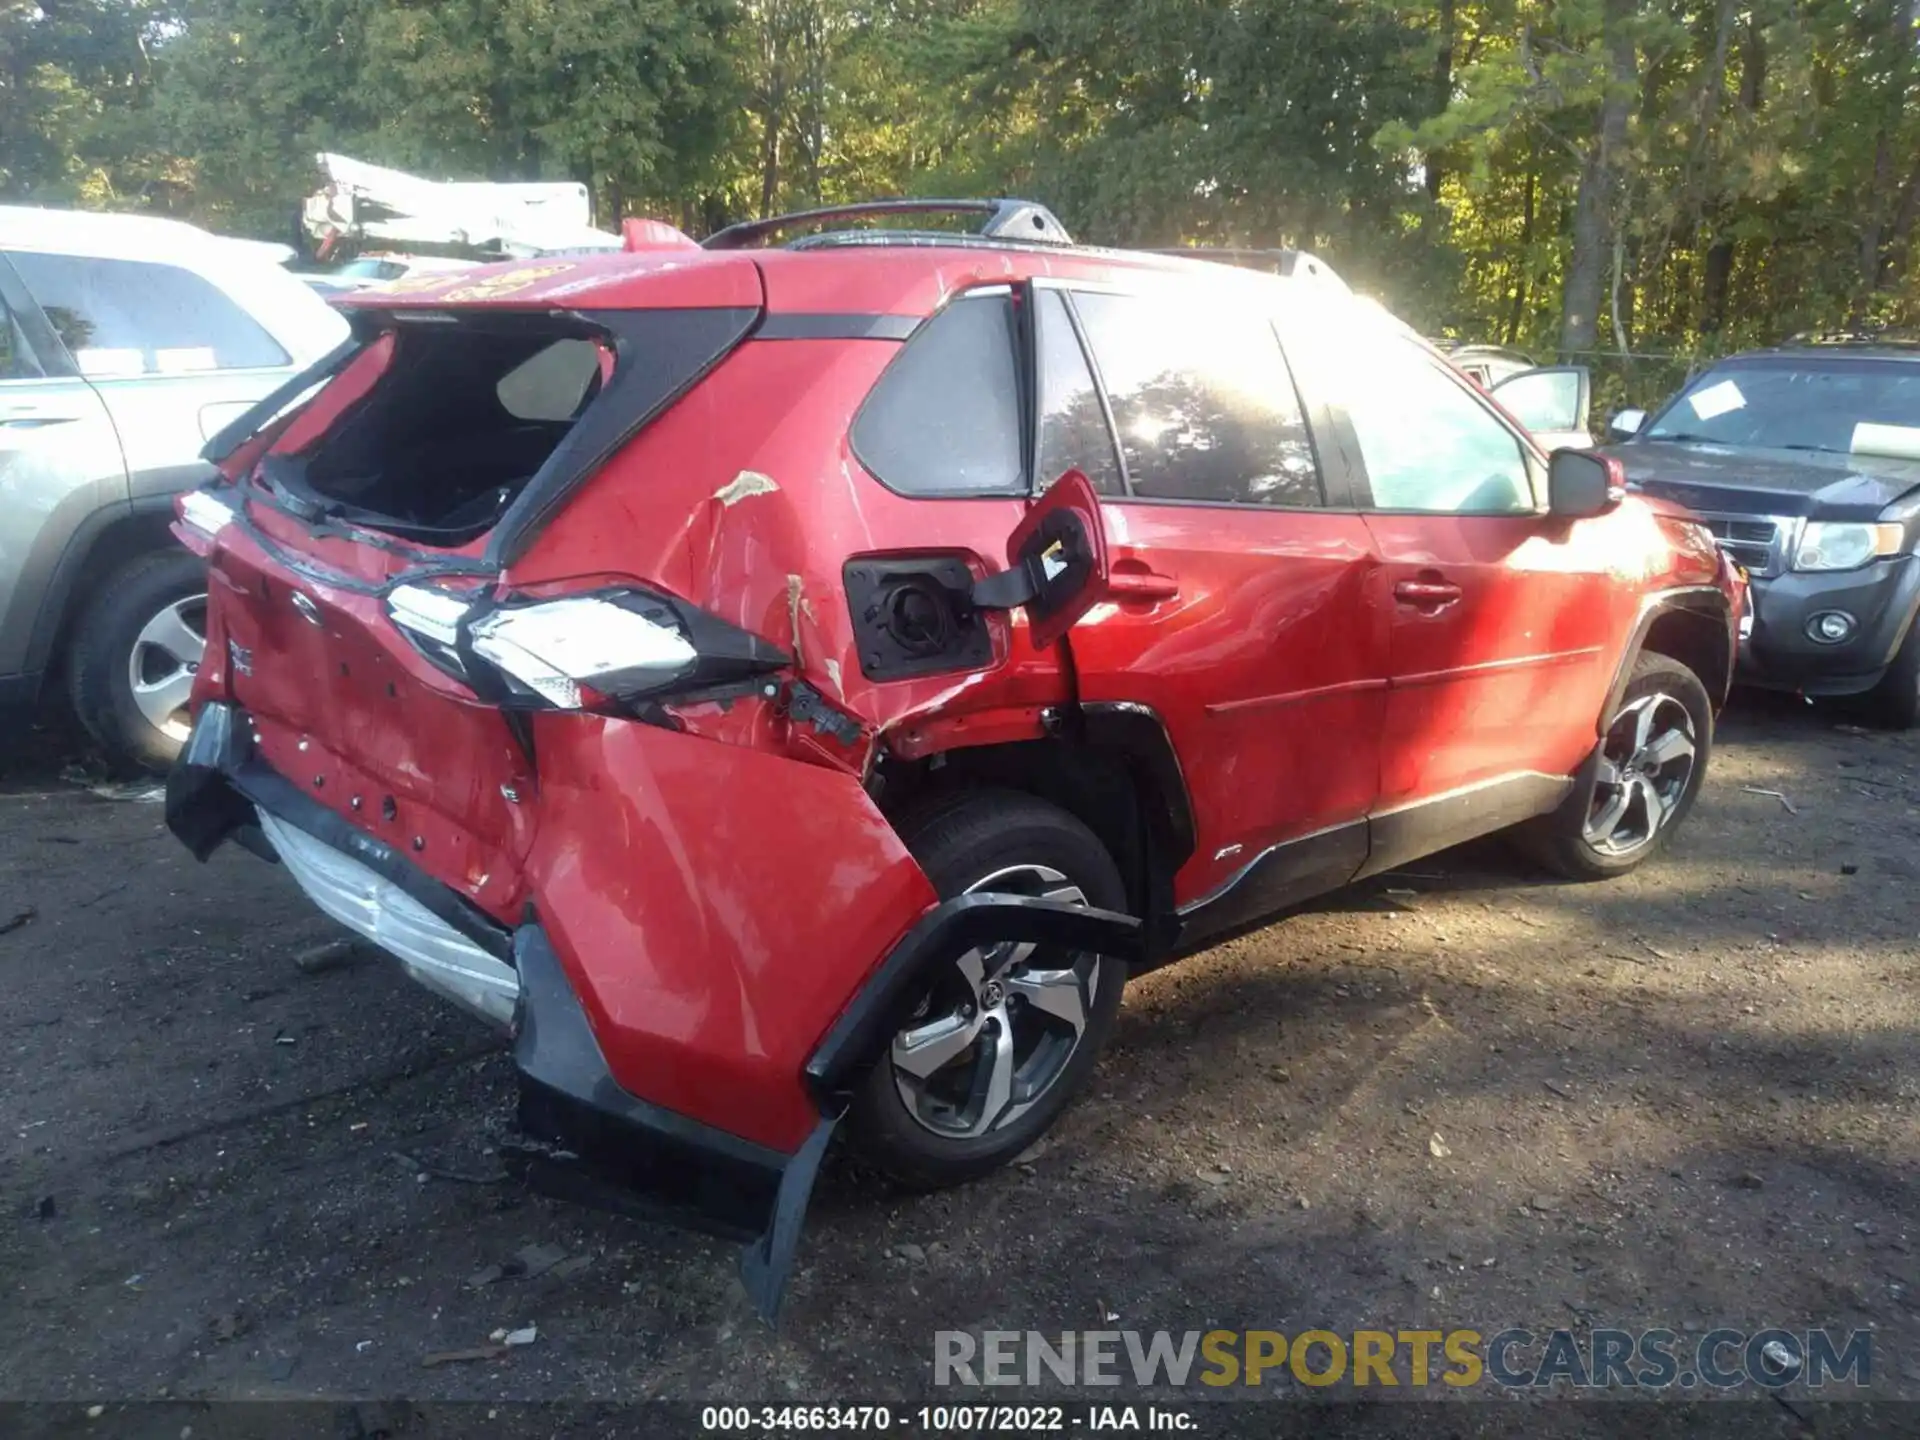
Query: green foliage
(1686,177)
(75,82)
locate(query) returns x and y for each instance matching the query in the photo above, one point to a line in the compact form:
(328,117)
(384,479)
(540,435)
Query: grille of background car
(1757,542)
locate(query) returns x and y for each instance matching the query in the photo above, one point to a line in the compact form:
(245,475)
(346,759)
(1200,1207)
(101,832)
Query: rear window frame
(631,399)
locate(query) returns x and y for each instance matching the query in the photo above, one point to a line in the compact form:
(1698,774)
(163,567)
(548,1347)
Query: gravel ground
(1455,1096)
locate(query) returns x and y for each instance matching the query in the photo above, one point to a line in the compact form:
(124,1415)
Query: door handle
(1426,594)
(1142,585)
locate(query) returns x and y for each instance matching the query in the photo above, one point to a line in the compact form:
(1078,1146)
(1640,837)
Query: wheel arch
(1693,626)
(109,540)
(1111,765)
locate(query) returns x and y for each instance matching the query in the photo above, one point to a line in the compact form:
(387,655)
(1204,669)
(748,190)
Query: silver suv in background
(126,342)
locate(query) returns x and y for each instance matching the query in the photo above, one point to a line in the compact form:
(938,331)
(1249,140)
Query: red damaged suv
(794,686)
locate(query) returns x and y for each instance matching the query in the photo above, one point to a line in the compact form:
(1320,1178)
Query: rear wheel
(135,651)
(1895,701)
(1638,786)
(1000,1040)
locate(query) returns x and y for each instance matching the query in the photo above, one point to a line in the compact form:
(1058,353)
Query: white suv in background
(126,342)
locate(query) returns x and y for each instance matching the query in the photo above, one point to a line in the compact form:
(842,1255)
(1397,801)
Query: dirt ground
(1456,1096)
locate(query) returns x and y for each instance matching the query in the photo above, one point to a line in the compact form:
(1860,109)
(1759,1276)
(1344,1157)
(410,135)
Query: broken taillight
(205,512)
(615,643)
(610,649)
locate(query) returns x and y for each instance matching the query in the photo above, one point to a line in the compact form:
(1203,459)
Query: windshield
(1841,405)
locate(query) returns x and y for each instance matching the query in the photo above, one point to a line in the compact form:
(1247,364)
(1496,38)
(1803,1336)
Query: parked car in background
(126,342)
(370,271)
(326,284)
(1486,365)
(1805,463)
(801,684)
(1552,401)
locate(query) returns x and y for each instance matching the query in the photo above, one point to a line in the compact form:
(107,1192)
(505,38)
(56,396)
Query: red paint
(1502,643)
(715,908)
(718,893)
(1266,668)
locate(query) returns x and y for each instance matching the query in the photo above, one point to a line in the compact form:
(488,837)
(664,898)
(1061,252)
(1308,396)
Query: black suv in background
(1805,463)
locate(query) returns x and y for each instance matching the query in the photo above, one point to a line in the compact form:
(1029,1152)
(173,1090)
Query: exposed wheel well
(1107,790)
(86,567)
(1698,640)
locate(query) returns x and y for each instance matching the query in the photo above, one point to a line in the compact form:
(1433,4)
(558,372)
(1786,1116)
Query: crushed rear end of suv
(791,689)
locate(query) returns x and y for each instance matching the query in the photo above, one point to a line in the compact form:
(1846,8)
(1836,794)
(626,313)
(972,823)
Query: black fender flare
(1136,733)
(942,934)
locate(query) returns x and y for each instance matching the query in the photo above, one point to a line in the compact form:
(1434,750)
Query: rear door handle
(1426,594)
(28,416)
(1142,585)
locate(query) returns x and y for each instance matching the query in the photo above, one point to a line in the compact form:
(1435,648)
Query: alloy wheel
(999,1028)
(165,657)
(1646,764)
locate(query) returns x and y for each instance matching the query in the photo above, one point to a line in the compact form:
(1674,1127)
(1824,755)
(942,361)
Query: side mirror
(1581,484)
(1626,424)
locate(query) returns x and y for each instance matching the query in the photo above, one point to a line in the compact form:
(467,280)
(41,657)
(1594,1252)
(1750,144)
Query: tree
(75,79)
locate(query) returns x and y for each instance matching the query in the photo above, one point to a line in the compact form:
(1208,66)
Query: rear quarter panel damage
(715,908)
(747,500)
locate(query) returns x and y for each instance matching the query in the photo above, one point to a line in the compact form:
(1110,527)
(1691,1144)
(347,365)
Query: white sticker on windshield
(1716,400)
(1899,442)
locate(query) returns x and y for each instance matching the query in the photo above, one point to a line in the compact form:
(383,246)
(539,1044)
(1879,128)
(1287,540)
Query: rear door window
(1203,402)
(137,317)
(1074,434)
(944,417)
(16,356)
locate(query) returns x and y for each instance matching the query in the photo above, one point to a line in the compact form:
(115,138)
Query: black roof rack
(1024,220)
(1281,262)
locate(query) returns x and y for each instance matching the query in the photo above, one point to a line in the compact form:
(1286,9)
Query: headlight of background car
(1837,545)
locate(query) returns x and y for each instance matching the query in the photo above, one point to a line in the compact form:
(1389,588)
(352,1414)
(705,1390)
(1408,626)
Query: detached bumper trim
(693,1174)
(612,1148)
(432,951)
(942,934)
(217,783)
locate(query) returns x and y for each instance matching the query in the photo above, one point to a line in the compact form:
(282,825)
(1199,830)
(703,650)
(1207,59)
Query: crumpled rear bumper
(586,1136)
(597,1128)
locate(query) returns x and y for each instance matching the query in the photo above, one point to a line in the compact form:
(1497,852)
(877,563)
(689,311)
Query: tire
(1575,841)
(932,1130)
(145,615)
(1895,701)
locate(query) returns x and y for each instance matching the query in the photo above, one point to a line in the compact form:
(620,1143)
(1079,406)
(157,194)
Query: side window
(1203,402)
(16,357)
(136,317)
(1427,443)
(1073,422)
(944,417)
(553,384)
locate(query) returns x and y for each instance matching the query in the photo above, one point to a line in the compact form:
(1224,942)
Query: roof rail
(1281,262)
(1893,338)
(1005,220)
